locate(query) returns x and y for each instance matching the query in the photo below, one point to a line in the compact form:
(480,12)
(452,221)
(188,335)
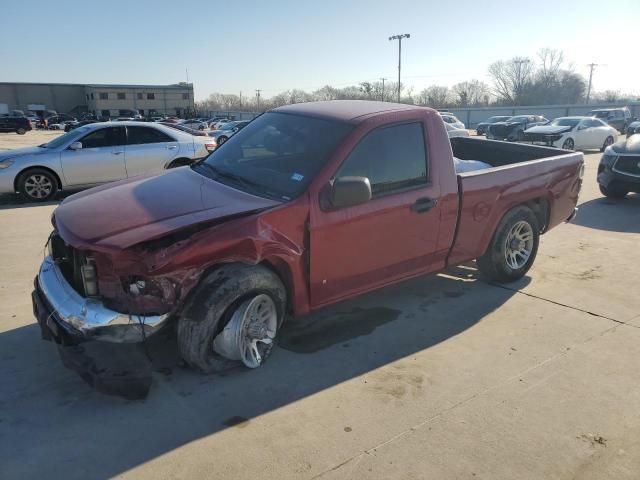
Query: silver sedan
(95,154)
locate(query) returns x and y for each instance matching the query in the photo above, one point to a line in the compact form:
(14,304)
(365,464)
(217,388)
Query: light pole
(383,79)
(591,67)
(399,38)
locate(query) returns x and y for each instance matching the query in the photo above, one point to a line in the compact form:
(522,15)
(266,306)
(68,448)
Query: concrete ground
(443,377)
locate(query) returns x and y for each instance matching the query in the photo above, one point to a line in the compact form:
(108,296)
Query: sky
(276,45)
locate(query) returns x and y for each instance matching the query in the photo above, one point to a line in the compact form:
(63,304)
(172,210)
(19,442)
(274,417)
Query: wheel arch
(36,167)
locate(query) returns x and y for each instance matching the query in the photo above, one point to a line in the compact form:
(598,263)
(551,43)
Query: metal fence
(229,114)
(472,116)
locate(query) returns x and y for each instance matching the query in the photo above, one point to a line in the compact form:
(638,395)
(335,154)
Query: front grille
(541,137)
(69,261)
(629,165)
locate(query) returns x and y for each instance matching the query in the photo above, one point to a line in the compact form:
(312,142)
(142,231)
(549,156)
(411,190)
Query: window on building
(91,95)
(104,96)
(105,113)
(87,95)
(151,96)
(185,96)
(139,96)
(121,96)
(141,135)
(391,158)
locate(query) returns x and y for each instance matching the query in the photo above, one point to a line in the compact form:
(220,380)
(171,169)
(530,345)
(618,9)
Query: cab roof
(351,111)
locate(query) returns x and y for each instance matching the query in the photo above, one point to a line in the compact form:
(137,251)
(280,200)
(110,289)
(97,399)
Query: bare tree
(550,65)
(511,78)
(469,93)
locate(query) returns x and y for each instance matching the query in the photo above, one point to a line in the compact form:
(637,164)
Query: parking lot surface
(440,377)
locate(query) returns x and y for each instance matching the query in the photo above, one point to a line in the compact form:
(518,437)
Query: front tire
(231,296)
(568,144)
(37,185)
(607,141)
(513,247)
(612,192)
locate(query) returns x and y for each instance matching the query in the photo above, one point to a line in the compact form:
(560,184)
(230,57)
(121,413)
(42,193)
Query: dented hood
(549,129)
(122,214)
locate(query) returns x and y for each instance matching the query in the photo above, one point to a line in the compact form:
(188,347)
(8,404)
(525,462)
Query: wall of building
(54,96)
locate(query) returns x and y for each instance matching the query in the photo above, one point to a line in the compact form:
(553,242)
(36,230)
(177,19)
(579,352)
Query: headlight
(6,164)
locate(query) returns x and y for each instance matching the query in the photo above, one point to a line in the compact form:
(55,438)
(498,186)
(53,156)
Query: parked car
(35,120)
(194,124)
(217,125)
(213,120)
(225,249)
(618,118)
(633,128)
(481,128)
(73,125)
(573,133)
(452,120)
(513,128)
(95,154)
(455,132)
(19,125)
(182,128)
(619,169)
(59,119)
(227,130)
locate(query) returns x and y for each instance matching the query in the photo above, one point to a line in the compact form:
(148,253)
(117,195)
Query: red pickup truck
(308,205)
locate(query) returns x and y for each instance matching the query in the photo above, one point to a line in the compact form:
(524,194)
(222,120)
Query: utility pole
(258,99)
(591,67)
(383,79)
(399,38)
(519,85)
(240,99)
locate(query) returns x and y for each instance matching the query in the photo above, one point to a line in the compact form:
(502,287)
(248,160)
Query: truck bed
(546,179)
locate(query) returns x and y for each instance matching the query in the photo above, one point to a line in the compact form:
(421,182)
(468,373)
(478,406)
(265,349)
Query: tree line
(544,80)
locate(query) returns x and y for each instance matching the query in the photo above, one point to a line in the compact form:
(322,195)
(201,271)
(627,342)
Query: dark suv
(618,118)
(20,125)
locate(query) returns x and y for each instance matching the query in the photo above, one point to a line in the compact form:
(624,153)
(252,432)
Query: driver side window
(392,158)
(103,137)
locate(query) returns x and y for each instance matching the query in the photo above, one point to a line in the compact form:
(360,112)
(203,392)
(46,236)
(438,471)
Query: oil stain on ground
(313,334)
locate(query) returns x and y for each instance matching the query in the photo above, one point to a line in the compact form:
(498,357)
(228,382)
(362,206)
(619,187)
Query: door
(101,158)
(148,150)
(389,237)
(583,135)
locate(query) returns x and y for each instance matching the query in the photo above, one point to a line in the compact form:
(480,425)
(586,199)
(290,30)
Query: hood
(548,129)
(23,152)
(629,146)
(122,214)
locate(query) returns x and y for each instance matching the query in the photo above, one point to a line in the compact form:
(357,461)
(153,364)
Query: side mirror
(75,146)
(345,192)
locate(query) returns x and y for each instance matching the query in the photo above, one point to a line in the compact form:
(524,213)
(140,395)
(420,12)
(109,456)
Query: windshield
(63,139)
(604,114)
(518,119)
(564,122)
(497,119)
(227,126)
(276,155)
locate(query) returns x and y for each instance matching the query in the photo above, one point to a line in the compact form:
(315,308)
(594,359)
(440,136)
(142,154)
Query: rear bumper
(83,318)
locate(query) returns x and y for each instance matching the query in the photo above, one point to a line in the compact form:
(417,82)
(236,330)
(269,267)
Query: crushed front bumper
(81,318)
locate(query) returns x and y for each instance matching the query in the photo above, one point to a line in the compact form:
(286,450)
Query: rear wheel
(513,247)
(612,192)
(37,185)
(221,140)
(232,318)
(21,131)
(608,141)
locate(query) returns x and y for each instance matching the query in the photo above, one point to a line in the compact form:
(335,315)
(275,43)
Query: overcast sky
(275,45)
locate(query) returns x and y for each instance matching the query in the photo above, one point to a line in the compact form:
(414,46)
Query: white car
(195,124)
(452,120)
(97,153)
(455,132)
(573,133)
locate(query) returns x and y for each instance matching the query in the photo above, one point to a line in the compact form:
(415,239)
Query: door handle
(172,147)
(118,153)
(424,204)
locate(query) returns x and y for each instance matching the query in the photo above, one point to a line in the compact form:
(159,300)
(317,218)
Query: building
(101,100)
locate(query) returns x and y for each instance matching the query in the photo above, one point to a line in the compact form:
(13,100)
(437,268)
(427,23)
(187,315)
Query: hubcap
(568,145)
(38,186)
(250,333)
(519,245)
